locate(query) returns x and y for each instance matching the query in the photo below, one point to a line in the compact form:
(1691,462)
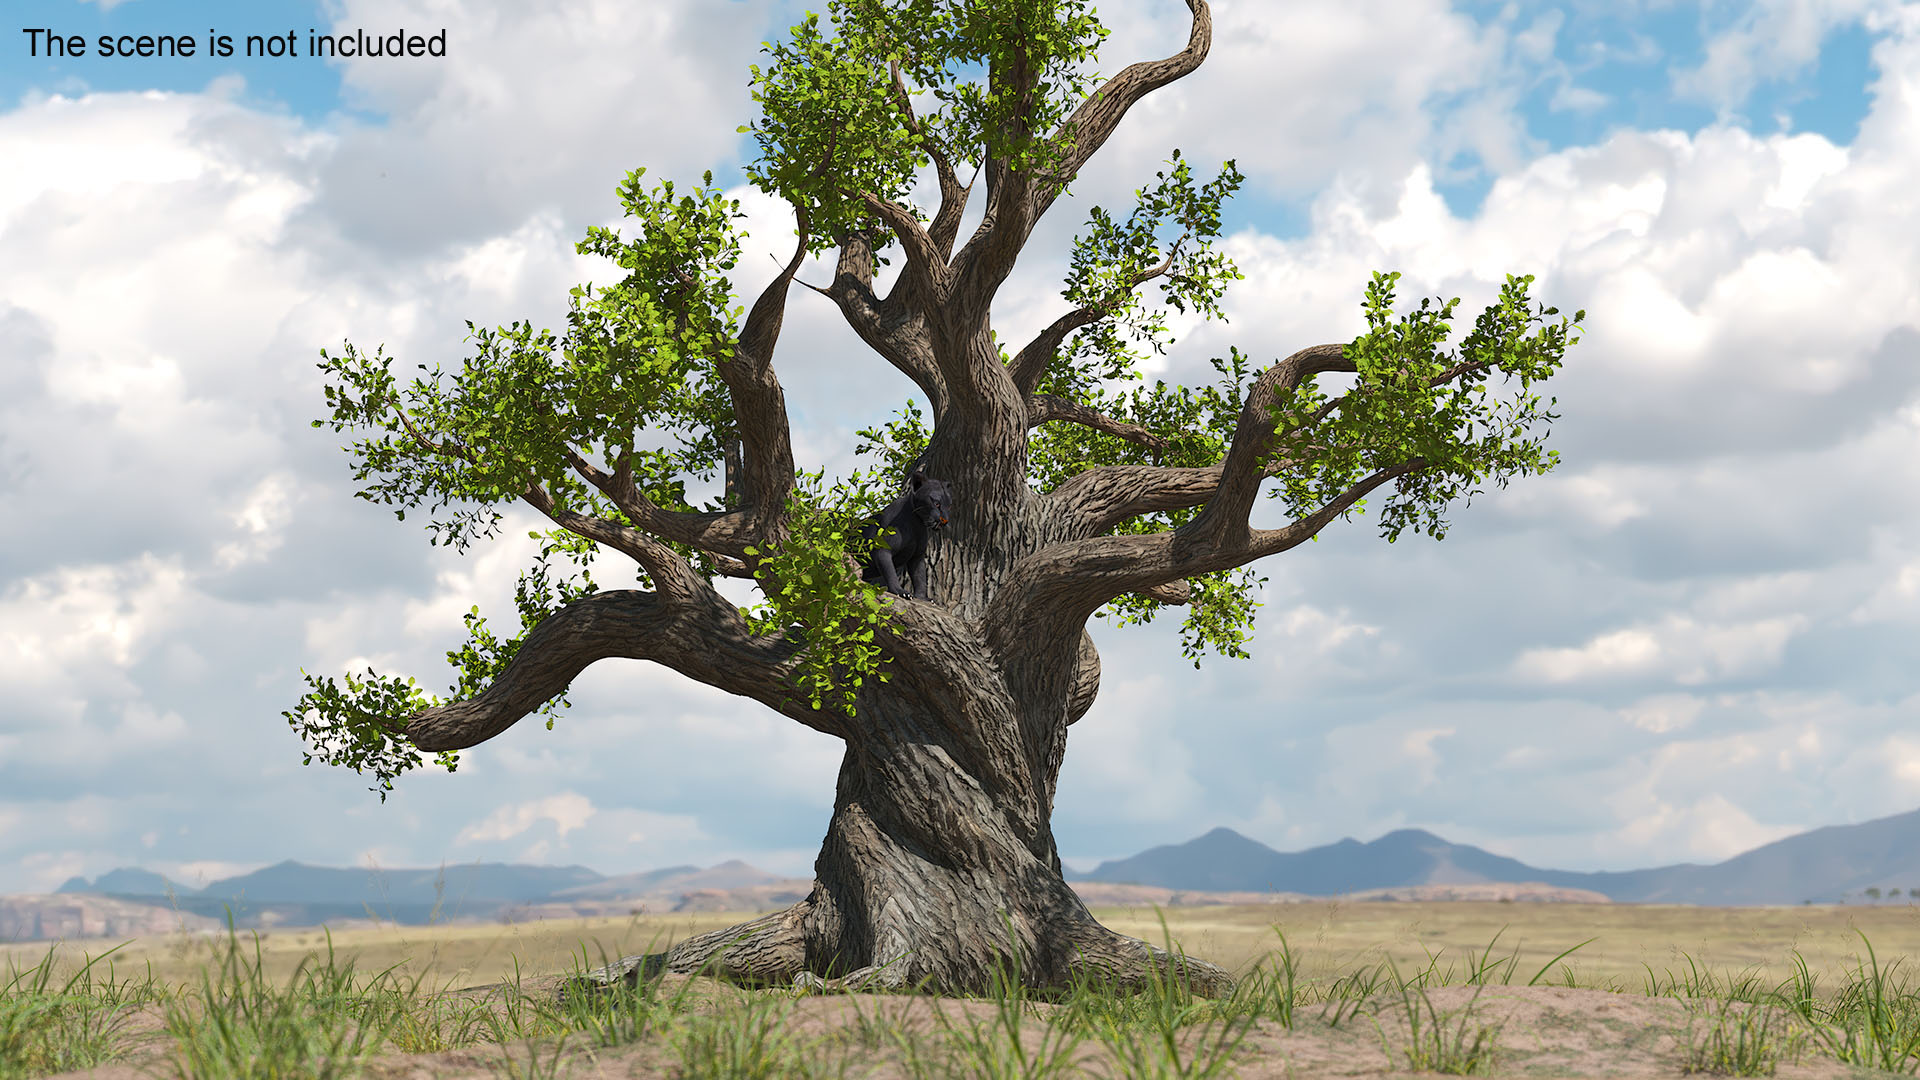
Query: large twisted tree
(1079,489)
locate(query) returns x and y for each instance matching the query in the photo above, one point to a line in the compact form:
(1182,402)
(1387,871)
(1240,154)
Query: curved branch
(665,568)
(1042,408)
(1016,201)
(724,533)
(926,270)
(701,642)
(1088,129)
(1253,436)
(953,197)
(663,565)
(1095,500)
(1030,363)
(1058,587)
(759,406)
(893,328)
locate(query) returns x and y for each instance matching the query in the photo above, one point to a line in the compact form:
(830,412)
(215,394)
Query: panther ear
(919,476)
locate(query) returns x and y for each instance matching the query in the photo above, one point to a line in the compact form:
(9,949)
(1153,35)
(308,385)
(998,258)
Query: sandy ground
(1541,1031)
(1537,1032)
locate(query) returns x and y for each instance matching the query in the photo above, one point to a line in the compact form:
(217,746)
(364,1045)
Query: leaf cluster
(362,726)
(1405,408)
(812,588)
(637,355)
(994,80)
(1111,259)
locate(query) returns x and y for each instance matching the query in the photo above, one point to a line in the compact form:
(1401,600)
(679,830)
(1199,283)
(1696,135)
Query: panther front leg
(917,571)
(889,576)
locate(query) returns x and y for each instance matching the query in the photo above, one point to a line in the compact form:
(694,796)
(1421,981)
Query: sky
(1701,633)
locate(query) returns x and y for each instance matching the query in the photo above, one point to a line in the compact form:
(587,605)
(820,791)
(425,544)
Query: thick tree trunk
(932,873)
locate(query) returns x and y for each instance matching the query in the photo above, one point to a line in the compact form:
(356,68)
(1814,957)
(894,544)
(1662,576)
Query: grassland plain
(1326,989)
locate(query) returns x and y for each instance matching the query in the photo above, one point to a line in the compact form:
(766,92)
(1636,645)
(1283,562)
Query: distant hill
(127,881)
(78,915)
(452,886)
(1223,860)
(1825,865)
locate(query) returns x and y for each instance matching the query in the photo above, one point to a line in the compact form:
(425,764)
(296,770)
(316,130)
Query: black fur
(902,533)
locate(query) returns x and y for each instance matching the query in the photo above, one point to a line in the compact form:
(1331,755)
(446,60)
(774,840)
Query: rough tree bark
(940,841)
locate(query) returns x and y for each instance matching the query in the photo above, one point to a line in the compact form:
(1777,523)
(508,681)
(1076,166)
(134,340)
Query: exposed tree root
(772,950)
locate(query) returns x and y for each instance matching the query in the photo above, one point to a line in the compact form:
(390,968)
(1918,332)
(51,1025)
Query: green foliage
(1723,1040)
(1110,258)
(832,126)
(1461,434)
(49,1026)
(362,726)
(325,1023)
(1463,1047)
(812,587)
(640,354)
(637,355)
(1197,424)
(1174,222)
(536,595)
(898,444)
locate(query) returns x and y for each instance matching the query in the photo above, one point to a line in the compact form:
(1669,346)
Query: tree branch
(1087,130)
(1059,586)
(1030,363)
(1095,500)
(724,533)
(669,573)
(1226,512)
(892,328)
(1016,201)
(759,405)
(708,642)
(953,197)
(1042,408)
(926,272)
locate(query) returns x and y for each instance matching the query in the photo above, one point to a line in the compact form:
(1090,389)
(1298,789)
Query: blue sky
(1697,636)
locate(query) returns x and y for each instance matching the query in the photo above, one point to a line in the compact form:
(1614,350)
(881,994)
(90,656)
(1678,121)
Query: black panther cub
(901,533)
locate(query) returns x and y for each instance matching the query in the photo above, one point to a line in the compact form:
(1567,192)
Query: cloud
(1711,829)
(567,811)
(1770,40)
(1677,647)
(1663,713)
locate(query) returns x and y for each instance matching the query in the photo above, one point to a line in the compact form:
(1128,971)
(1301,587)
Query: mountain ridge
(1822,865)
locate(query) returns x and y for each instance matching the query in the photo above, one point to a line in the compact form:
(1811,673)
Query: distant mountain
(127,881)
(294,894)
(488,884)
(1223,860)
(1823,866)
(732,874)
(41,918)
